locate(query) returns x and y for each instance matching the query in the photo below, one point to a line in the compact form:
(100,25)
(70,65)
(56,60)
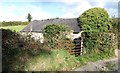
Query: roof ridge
(54,19)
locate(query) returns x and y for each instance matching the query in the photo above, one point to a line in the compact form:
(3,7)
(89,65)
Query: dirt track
(101,65)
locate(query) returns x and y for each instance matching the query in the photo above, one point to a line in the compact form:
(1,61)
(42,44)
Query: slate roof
(39,25)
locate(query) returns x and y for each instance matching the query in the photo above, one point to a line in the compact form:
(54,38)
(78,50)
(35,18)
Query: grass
(55,60)
(16,28)
(59,60)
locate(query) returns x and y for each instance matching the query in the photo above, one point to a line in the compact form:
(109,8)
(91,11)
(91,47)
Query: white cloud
(80,7)
(70,9)
(18,13)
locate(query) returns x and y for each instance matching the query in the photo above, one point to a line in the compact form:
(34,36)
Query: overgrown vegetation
(25,54)
(101,42)
(61,60)
(95,20)
(19,52)
(96,24)
(56,36)
(16,47)
(116,28)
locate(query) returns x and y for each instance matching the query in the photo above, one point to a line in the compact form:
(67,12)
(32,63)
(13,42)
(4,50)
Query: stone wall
(39,36)
(36,36)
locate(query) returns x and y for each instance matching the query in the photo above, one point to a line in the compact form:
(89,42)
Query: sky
(17,10)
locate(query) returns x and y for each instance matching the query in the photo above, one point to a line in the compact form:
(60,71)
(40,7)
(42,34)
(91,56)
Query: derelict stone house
(35,27)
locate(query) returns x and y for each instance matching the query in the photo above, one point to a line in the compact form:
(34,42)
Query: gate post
(81,52)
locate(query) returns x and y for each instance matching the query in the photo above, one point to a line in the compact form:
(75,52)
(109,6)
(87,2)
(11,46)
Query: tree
(29,17)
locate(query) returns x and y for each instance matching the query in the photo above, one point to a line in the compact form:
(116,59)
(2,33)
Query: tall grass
(59,60)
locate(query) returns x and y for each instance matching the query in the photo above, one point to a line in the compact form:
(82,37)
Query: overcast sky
(15,10)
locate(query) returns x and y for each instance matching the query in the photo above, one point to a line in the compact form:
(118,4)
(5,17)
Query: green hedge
(101,42)
(14,23)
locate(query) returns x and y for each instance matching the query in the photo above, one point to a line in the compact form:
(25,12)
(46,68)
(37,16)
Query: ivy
(54,32)
(95,22)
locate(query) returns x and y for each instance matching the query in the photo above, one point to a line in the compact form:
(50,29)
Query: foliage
(56,37)
(29,17)
(13,23)
(101,42)
(93,56)
(116,28)
(14,45)
(54,33)
(95,22)
(115,22)
(53,30)
(59,59)
(66,44)
(20,53)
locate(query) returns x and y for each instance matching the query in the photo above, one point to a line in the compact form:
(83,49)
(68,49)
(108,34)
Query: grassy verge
(16,28)
(59,60)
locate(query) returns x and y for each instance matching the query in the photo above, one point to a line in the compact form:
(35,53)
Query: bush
(53,33)
(53,30)
(56,38)
(16,46)
(11,40)
(95,22)
(101,42)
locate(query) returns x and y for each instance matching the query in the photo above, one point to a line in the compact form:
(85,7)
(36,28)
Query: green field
(16,28)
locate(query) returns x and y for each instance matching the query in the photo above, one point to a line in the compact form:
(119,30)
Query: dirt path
(102,65)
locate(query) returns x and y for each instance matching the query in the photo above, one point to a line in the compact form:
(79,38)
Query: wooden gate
(78,50)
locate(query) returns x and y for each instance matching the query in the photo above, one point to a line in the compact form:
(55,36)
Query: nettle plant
(95,22)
